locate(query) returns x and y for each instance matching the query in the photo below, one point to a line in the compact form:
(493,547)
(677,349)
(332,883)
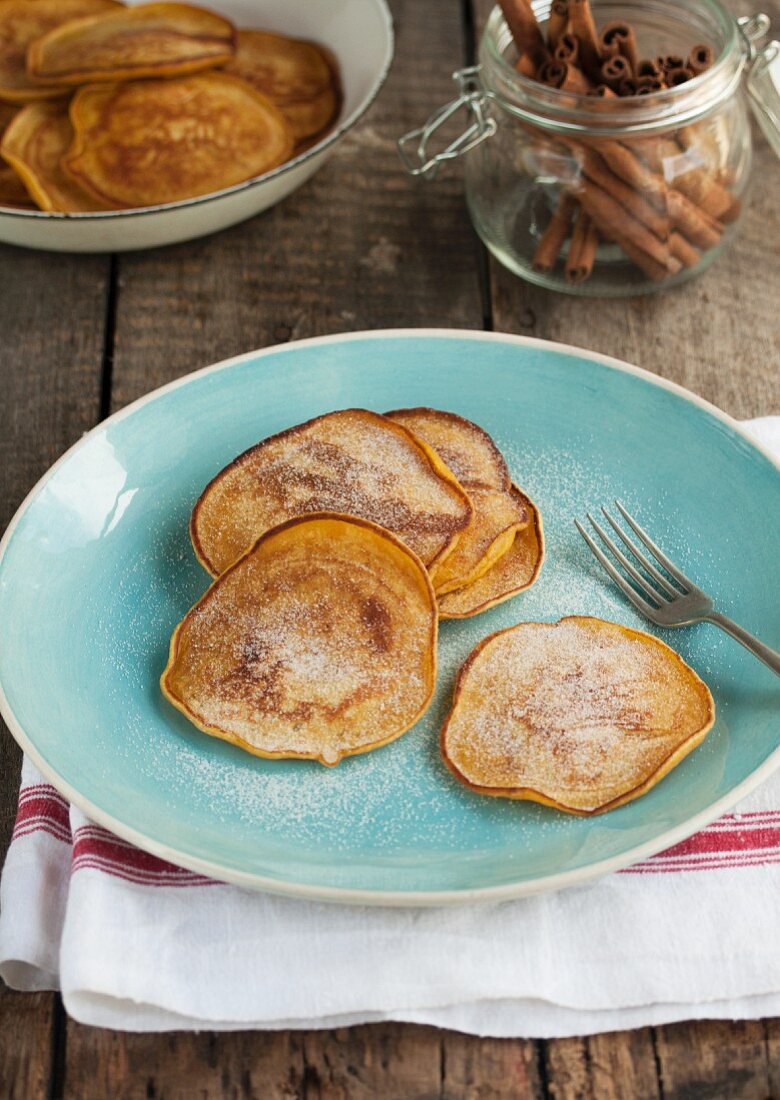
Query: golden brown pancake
(12,189)
(319,643)
(34,145)
(466,448)
(148,142)
(311,116)
(582,714)
(286,70)
(498,516)
(150,40)
(24,21)
(511,574)
(353,462)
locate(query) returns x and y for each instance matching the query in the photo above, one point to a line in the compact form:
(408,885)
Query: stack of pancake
(337,546)
(106,107)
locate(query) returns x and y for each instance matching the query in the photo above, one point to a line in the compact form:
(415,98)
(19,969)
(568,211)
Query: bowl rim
(309,154)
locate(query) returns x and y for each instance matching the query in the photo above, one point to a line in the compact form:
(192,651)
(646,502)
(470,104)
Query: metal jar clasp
(413,147)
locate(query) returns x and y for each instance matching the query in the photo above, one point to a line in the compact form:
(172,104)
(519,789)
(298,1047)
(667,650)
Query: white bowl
(360,34)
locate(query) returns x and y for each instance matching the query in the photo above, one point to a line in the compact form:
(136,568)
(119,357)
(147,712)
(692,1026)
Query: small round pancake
(511,574)
(582,715)
(498,516)
(24,21)
(354,462)
(319,643)
(34,144)
(311,116)
(466,448)
(149,142)
(287,70)
(150,40)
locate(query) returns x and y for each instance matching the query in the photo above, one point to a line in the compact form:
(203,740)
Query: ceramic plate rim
(390,898)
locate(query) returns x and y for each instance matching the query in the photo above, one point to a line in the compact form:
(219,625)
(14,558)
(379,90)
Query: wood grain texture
(244,1065)
(26,1029)
(610,1066)
(710,1059)
(396,1062)
(489,1069)
(361,245)
(51,344)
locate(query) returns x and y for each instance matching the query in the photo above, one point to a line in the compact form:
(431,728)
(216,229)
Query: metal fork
(664,603)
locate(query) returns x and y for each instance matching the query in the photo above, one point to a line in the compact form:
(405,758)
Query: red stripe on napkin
(43,809)
(95,847)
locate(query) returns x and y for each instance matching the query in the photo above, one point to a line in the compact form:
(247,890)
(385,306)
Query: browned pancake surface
(466,448)
(24,21)
(582,714)
(498,516)
(510,575)
(320,642)
(149,40)
(287,70)
(354,462)
(34,144)
(147,142)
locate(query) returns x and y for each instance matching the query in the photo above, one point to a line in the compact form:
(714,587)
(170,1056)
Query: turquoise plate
(96,569)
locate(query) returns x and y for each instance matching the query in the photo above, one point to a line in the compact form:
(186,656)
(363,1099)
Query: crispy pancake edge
(357,521)
(434,461)
(528,794)
(535,517)
(78,77)
(469,426)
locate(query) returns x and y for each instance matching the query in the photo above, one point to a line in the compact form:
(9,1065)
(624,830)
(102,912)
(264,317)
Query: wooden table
(361,246)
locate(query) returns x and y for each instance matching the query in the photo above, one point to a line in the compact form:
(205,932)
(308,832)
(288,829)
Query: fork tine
(617,577)
(642,558)
(669,566)
(644,584)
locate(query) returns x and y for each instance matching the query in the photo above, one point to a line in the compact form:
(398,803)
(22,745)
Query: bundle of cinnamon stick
(621,189)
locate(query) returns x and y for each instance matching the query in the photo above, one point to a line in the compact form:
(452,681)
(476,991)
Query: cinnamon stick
(648,85)
(700,59)
(629,86)
(635,204)
(568,49)
(698,227)
(616,224)
(620,33)
(620,160)
(614,71)
(525,30)
(602,91)
(582,25)
(556,24)
(555,234)
(675,77)
(671,61)
(582,250)
(526,66)
(683,250)
(651,68)
(562,75)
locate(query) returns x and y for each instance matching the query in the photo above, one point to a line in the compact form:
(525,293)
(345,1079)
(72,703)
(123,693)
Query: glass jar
(603,195)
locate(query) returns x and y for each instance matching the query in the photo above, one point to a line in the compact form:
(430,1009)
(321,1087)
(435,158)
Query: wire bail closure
(413,146)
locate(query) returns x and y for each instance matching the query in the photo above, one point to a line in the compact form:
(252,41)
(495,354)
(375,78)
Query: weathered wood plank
(361,245)
(710,1059)
(179,1066)
(610,1066)
(53,311)
(26,1028)
(489,1069)
(396,1062)
(772,1033)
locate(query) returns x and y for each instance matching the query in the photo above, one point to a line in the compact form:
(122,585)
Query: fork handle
(769,656)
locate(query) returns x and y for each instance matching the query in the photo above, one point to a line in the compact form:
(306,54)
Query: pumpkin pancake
(354,462)
(498,516)
(319,643)
(148,142)
(466,448)
(311,116)
(582,715)
(12,189)
(286,70)
(151,40)
(24,21)
(34,145)
(511,574)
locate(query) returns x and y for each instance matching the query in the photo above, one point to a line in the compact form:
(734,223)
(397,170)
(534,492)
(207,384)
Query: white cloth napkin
(137,944)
